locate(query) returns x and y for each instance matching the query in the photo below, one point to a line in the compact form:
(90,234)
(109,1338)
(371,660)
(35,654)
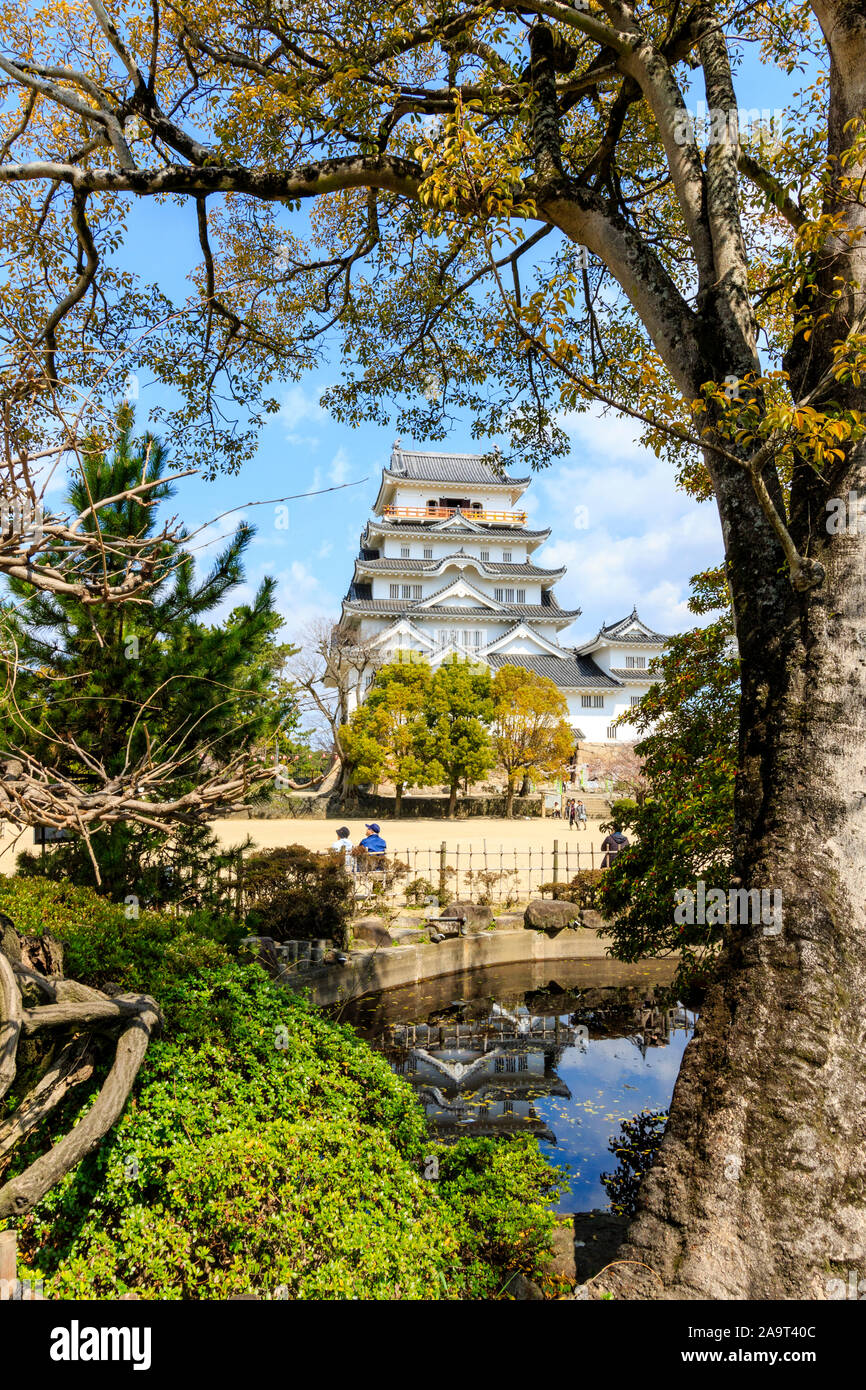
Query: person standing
(572,814)
(580,814)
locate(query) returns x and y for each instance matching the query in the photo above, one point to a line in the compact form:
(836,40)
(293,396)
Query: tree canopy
(388,735)
(459,714)
(531,732)
(683,823)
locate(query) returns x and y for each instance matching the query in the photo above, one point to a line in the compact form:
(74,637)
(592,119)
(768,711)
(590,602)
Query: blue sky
(641,542)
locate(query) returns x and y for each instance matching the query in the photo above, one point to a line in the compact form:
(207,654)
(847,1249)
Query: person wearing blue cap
(373,843)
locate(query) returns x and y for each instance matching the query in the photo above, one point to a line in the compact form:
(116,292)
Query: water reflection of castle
(482,1076)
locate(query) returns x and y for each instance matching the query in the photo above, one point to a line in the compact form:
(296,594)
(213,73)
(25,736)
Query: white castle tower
(445,567)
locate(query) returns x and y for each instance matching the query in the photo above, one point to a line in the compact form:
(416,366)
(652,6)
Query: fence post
(8,1264)
(442,867)
(556,861)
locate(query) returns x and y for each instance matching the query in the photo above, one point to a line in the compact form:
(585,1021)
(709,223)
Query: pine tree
(105,686)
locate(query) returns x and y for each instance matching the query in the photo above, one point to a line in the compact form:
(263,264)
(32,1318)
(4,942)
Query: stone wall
(286,805)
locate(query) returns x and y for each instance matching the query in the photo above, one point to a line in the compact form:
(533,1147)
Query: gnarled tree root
(86,1013)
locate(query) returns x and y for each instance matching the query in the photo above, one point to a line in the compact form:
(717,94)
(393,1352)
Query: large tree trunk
(398,800)
(509,799)
(760,1187)
(759,1190)
(452,800)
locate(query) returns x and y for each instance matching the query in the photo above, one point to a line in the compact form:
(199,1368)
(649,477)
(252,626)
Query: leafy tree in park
(126,682)
(459,714)
(509,208)
(531,732)
(388,736)
(683,824)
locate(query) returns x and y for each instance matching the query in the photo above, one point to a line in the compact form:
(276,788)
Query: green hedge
(265,1149)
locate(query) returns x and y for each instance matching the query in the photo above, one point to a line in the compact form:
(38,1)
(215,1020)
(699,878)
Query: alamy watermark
(847,514)
(715,907)
(852,1287)
(23,520)
(716,125)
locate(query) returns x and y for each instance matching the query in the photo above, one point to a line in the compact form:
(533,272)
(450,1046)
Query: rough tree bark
(760,1186)
(127,1023)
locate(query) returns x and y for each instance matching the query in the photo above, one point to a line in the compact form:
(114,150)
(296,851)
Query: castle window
(635,662)
(393,590)
(485,555)
(611,731)
(635,700)
(521,595)
(477,639)
(416,590)
(592,701)
(506,557)
(404,552)
(406,590)
(428,552)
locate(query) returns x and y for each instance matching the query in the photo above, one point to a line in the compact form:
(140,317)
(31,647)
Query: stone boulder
(597,1237)
(592,920)
(372,930)
(523,1290)
(562,1259)
(550,916)
(475,917)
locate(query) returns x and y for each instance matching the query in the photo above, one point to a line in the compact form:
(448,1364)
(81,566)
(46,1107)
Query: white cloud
(610,434)
(339,470)
(627,534)
(298,407)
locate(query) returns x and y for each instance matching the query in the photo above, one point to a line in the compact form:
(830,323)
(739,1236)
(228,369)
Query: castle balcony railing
(442,514)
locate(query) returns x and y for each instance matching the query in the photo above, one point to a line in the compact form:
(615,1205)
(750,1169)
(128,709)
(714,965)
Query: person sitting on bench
(373,843)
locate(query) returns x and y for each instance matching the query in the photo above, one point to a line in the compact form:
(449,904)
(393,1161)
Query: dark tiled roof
(392,564)
(632,673)
(446,468)
(397,607)
(484,532)
(615,631)
(566,672)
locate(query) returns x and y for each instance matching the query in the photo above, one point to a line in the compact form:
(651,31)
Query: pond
(564,1051)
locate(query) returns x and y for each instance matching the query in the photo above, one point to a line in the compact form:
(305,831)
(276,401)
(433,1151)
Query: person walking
(580,815)
(613,844)
(572,814)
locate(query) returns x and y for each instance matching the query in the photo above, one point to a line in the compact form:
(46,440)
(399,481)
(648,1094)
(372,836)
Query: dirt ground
(424,837)
(415,834)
